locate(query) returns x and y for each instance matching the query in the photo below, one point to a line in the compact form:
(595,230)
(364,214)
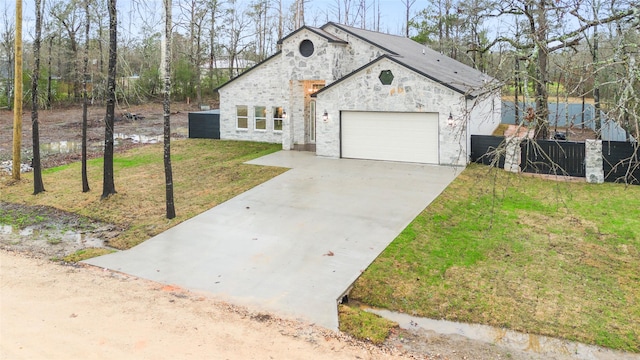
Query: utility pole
(17,94)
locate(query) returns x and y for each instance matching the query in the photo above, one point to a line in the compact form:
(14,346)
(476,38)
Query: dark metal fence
(564,158)
(621,162)
(484,150)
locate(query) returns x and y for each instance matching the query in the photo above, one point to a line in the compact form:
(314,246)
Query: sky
(391,18)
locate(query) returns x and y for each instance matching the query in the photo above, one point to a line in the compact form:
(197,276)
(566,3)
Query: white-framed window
(260,116)
(242,117)
(277,118)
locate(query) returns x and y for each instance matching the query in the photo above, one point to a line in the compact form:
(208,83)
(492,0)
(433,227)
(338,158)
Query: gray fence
(610,161)
(566,115)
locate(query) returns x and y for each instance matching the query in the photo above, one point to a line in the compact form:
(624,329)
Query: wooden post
(17,94)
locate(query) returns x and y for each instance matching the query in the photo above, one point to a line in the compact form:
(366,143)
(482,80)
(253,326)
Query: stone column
(513,155)
(287,122)
(594,171)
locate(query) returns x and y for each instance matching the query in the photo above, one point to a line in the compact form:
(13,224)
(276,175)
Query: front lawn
(205,173)
(552,258)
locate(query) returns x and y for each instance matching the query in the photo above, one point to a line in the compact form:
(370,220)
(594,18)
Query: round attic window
(306,48)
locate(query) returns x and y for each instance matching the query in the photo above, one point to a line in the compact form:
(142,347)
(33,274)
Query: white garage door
(410,137)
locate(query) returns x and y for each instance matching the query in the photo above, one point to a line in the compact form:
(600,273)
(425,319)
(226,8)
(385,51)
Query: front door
(310,112)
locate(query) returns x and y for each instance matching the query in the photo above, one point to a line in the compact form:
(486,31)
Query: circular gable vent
(306,48)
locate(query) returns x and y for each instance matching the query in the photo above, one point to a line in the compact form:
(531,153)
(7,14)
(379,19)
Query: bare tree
(38,185)
(541,39)
(7,43)
(166,105)
(194,14)
(407,5)
(237,36)
(68,16)
(85,95)
(108,185)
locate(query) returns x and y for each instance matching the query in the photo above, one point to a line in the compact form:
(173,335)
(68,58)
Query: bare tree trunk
(17,97)
(85,97)
(516,103)
(166,105)
(38,185)
(49,96)
(108,186)
(596,83)
(542,69)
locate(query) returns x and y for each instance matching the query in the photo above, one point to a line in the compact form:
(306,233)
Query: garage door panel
(410,137)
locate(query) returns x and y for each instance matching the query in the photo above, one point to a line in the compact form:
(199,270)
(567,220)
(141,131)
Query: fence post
(513,155)
(593,161)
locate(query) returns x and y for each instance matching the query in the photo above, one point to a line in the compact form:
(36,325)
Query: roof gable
(423,60)
(319,32)
(256,66)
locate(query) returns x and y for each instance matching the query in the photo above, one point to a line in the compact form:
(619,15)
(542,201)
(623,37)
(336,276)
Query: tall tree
(67,13)
(17,98)
(166,105)
(85,96)
(7,47)
(407,7)
(108,185)
(38,185)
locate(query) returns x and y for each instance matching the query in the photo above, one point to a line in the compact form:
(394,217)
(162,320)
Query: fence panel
(484,149)
(565,158)
(621,162)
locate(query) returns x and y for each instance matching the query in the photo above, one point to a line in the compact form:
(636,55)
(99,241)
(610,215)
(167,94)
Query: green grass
(552,258)
(205,173)
(85,254)
(364,325)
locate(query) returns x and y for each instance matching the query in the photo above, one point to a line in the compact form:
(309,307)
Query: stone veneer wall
(409,92)
(356,54)
(594,171)
(255,88)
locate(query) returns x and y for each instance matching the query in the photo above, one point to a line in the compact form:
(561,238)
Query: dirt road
(50,311)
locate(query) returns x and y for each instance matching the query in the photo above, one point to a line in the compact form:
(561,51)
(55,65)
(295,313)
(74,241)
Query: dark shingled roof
(319,32)
(425,61)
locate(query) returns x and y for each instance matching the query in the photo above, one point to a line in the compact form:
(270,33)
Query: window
(277,118)
(260,115)
(312,120)
(306,48)
(386,77)
(242,118)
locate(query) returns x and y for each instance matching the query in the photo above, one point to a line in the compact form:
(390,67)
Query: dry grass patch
(206,173)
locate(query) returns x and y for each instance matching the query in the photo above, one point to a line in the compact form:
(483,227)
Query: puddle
(54,236)
(65,147)
(537,344)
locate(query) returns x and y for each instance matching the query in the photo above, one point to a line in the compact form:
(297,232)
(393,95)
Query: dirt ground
(65,125)
(53,310)
(56,311)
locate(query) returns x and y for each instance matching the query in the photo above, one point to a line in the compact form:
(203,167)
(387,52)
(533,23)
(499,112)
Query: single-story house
(352,93)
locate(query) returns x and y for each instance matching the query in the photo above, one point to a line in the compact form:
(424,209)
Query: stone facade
(288,79)
(256,89)
(408,92)
(513,155)
(594,171)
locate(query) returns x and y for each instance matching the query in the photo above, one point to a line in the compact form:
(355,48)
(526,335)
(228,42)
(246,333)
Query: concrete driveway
(296,243)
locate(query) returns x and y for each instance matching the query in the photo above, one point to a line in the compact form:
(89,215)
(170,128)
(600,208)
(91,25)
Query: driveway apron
(294,244)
